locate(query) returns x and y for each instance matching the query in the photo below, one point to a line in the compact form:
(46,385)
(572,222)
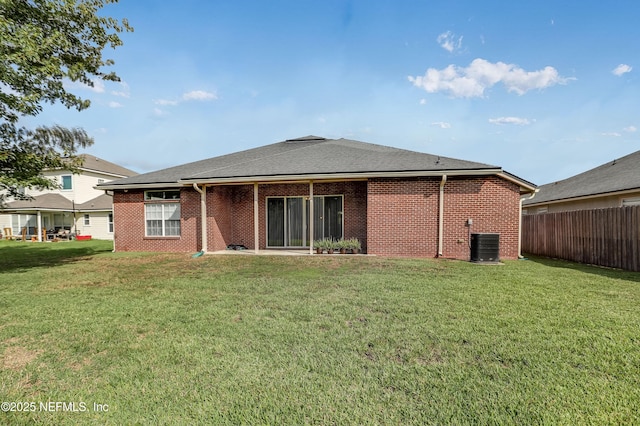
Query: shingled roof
(56,202)
(93,163)
(618,175)
(310,156)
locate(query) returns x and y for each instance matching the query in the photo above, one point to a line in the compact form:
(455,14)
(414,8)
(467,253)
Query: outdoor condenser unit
(485,247)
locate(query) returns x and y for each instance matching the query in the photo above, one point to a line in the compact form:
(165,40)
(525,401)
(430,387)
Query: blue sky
(544,89)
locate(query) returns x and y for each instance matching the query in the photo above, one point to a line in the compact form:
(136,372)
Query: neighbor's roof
(615,176)
(102,202)
(307,157)
(94,163)
(56,202)
(41,202)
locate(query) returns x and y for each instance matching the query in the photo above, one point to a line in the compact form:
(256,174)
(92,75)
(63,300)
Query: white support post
(256,219)
(39,228)
(311,215)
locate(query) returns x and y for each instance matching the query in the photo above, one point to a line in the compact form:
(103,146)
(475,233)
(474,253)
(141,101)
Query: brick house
(288,194)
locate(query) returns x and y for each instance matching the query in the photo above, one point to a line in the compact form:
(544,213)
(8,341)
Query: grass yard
(140,338)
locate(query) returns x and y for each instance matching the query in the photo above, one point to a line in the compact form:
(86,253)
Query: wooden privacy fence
(605,237)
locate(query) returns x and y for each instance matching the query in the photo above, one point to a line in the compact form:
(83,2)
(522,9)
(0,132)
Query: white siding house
(75,206)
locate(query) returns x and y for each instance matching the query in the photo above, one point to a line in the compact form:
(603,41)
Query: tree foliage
(44,45)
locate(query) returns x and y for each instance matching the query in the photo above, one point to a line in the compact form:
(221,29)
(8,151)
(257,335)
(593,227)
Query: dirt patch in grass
(17,357)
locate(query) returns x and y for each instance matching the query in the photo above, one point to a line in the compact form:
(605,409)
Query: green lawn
(170,339)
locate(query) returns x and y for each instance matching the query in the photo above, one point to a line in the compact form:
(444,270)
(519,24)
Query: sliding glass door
(288,220)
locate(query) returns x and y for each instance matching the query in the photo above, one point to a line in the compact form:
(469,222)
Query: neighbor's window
(162,217)
(66,182)
(633,201)
(87,220)
(110,222)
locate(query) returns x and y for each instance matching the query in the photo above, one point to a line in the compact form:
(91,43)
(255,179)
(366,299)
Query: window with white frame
(110,222)
(632,201)
(87,219)
(162,213)
(66,182)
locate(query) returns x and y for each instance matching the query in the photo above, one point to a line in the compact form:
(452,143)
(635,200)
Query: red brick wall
(129,224)
(392,217)
(492,203)
(403,215)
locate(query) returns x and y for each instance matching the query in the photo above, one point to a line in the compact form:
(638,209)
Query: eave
(525,187)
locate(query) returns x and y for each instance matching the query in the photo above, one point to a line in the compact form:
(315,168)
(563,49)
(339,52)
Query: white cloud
(113,104)
(98,85)
(510,120)
(630,129)
(423,101)
(157,112)
(124,93)
(621,69)
(165,102)
(199,95)
(481,74)
(441,124)
(612,134)
(449,42)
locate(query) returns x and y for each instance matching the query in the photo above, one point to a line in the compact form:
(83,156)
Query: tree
(45,44)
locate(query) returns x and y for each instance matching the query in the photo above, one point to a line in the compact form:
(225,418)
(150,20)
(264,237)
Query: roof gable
(622,174)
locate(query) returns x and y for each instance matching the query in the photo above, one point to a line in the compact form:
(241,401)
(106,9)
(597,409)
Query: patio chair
(8,234)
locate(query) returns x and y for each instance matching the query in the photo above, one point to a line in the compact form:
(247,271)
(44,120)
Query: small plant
(354,245)
(332,245)
(343,245)
(319,246)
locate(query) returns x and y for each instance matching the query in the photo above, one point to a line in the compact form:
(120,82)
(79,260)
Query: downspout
(520,223)
(441,216)
(203,215)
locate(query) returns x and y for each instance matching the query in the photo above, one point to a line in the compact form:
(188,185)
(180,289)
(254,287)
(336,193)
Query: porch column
(39,227)
(256,220)
(203,215)
(311,217)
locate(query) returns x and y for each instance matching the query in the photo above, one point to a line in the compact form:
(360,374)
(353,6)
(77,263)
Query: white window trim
(86,219)
(149,201)
(62,188)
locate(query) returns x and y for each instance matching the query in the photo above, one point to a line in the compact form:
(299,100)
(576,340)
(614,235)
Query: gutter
(235,180)
(441,216)
(533,194)
(203,215)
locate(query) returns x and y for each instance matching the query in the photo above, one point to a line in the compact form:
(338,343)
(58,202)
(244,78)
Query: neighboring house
(76,206)
(287,194)
(613,184)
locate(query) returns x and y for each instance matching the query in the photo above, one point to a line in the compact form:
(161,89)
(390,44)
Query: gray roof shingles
(56,202)
(91,162)
(619,175)
(305,156)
